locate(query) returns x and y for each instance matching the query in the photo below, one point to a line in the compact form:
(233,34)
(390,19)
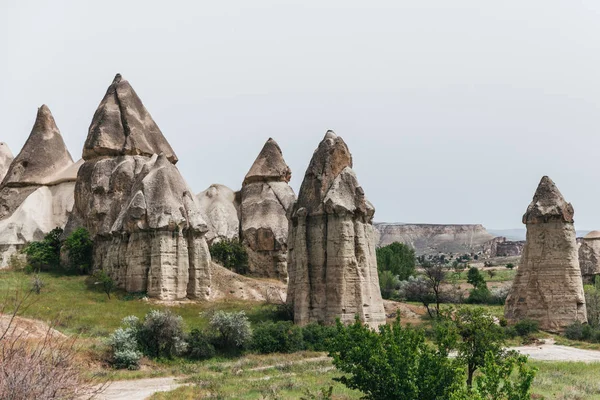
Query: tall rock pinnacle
(331,243)
(265,200)
(123,126)
(6,158)
(548,286)
(43,155)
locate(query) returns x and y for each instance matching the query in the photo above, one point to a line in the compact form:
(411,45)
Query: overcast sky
(453,110)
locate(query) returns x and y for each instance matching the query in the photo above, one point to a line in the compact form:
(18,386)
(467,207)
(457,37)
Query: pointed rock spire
(269,166)
(123,126)
(548,204)
(44,153)
(6,158)
(328,161)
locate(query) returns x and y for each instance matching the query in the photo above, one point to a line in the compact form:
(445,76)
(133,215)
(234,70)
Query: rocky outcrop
(36,194)
(434,239)
(331,260)
(6,158)
(265,200)
(500,247)
(220,211)
(548,286)
(145,222)
(589,256)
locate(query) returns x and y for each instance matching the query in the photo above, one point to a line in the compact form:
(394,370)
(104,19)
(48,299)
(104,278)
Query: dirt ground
(229,285)
(27,328)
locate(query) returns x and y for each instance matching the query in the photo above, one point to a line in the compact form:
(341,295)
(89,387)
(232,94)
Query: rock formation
(36,194)
(331,261)
(145,222)
(589,256)
(434,239)
(218,208)
(265,200)
(6,157)
(548,286)
(500,247)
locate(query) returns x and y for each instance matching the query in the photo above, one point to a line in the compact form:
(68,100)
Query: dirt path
(552,352)
(138,389)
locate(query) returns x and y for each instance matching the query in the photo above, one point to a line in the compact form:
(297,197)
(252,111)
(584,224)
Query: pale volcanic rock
(218,208)
(548,286)
(589,256)
(331,246)
(36,194)
(123,126)
(145,222)
(6,158)
(266,198)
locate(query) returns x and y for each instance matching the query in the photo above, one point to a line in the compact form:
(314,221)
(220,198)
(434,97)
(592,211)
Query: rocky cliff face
(6,158)
(265,200)
(500,247)
(589,256)
(220,211)
(146,223)
(331,260)
(36,194)
(548,286)
(433,239)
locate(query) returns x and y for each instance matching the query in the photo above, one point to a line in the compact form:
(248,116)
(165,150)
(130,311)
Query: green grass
(500,275)
(566,380)
(76,309)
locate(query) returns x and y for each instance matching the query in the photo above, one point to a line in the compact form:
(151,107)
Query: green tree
(79,249)
(397,258)
(388,283)
(394,363)
(45,254)
(475,278)
(231,254)
(105,281)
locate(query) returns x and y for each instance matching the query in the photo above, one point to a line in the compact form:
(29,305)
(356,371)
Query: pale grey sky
(453,110)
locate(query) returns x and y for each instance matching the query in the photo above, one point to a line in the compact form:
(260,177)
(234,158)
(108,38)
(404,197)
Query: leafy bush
(37,284)
(200,345)
(232,330)
(578,331)
(395,363)
(161,334)
(45,254)
(388,284)
(316,336)
(510,265)
(397,258)
(277,337)
(231,254)
(124,344)
(475,278)
(526,327)
(480,295)
(79,249)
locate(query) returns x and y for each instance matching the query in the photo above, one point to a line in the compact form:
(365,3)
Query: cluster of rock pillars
(151,233)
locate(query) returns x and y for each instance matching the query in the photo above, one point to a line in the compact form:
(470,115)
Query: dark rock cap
(123,126)
(44,153)
(328,161)
(269,166)
(548,204)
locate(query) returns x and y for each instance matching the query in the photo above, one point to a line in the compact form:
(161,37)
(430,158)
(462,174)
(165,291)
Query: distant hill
(519,234)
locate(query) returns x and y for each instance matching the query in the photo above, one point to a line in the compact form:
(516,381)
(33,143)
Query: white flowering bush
(232,330)
(124,344)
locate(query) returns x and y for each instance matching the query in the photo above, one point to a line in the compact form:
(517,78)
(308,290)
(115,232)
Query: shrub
(79,249)
(578,331)
(231,329)
(102,279)
(200,345)
(161,334)
(479,295)
(475,278)
(231,254)
(499,295)
(277,337)
(16,262)
(44,254)
(510,265)
(316,337)
(526,327)
(37,284)
(388,284)
(124,344)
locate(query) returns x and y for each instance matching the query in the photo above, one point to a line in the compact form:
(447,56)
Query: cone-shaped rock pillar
(331,246)
(6,158)
(145,221)
(266,198)
(220,211)
(589,256)
(548,286)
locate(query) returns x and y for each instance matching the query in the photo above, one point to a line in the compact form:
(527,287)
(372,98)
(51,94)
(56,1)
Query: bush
(316,337)
(510,265)
(200,345)
(397,258)
(79,250)
(578,331)
(102,279)
(37,284)
(480,295)
(526,327)
(124,345)
(231,329)
(388,284)
(277,337)
(231,254)
(161,334)
(45,254)
(475,278)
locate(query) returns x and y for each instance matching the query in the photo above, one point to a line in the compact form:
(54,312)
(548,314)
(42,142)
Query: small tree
(395,363)
(388,283)
(44,254)
(510,265)
(435,275)
(231,254)
(418,289)
(105,281)
(79,248)
(475,278)
(398,258)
